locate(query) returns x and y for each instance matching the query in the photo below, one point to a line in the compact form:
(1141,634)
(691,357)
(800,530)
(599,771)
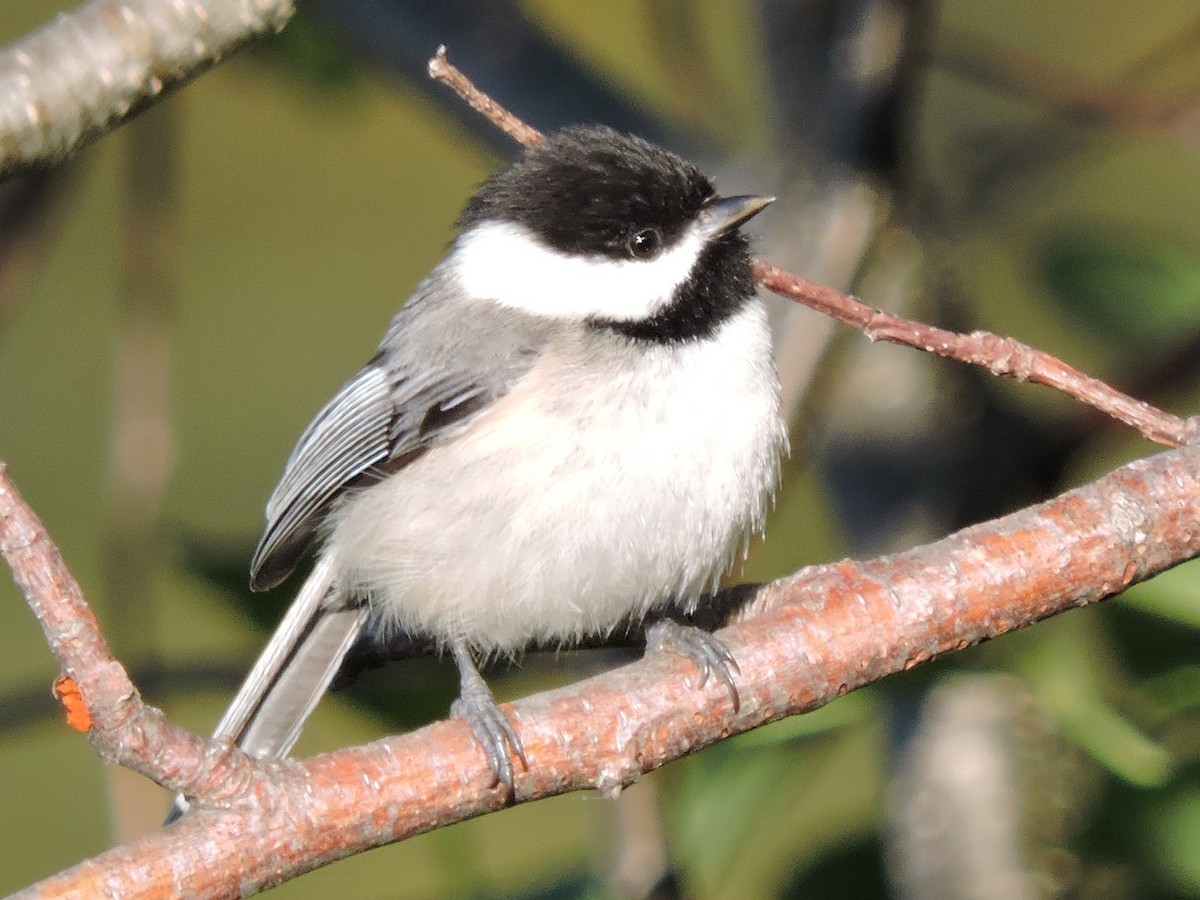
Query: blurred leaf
(1117,743)
(851,709)
(1068,676)
(306,51)
(1175,692)
(1175,836)
(1173,595)
(747,822)
(1122,285)
(719,803)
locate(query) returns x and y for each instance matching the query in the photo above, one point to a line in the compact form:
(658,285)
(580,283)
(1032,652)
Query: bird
(573,423)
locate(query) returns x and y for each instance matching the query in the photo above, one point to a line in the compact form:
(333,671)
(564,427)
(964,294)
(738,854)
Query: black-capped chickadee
(573,423)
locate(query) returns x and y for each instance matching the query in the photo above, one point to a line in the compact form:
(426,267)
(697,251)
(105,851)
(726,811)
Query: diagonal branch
(1000,355)
(803,641)
(95,688)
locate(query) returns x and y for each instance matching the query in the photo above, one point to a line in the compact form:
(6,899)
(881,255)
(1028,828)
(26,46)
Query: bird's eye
(645,244)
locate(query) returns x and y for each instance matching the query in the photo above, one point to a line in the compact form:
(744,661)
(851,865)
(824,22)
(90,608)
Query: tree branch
(1000,355)
(441,69)
(801,642)
(95,688)
(88,71)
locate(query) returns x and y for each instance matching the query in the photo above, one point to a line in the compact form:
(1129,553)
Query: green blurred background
(178,300)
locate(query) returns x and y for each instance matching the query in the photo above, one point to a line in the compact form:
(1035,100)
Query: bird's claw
(493,731)
(489,724)
(705,650)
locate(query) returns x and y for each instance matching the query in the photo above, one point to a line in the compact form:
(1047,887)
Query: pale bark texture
(89,70)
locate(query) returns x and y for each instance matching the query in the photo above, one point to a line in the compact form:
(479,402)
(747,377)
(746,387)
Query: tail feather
(289,677)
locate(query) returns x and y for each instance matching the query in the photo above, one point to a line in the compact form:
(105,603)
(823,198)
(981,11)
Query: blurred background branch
(90,70)
(142,450)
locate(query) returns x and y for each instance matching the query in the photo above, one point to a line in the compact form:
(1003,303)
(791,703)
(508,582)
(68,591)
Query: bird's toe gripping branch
(706,651)
(489,724)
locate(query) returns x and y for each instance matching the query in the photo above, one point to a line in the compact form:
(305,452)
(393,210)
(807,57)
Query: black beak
(720,214)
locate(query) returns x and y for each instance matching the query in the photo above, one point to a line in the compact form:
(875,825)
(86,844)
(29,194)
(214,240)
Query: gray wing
(436,370)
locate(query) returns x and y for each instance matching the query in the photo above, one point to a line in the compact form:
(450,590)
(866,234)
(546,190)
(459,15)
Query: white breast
(578,499)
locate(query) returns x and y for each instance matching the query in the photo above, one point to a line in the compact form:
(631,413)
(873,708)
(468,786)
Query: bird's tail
(291,674)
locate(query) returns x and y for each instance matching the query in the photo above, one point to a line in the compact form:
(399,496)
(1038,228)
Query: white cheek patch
(506,263)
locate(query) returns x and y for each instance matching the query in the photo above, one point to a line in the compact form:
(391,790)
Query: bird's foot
(706,651)
(489,724)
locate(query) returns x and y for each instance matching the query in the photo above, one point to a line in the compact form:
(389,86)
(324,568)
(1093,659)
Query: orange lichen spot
(67,692)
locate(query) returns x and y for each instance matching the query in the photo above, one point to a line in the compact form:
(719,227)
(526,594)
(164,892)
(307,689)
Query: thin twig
(441,69)
(1000,355)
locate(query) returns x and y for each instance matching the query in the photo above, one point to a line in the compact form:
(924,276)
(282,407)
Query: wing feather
(414,393)
(348,436)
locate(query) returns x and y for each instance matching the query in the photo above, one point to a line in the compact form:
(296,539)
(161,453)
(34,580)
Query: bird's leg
(475,703)
(706,651)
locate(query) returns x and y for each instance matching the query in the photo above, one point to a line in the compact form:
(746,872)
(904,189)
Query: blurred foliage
(304,50)
(1124,288)
(316,187)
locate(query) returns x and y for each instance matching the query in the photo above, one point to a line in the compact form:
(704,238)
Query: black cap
(588,189)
